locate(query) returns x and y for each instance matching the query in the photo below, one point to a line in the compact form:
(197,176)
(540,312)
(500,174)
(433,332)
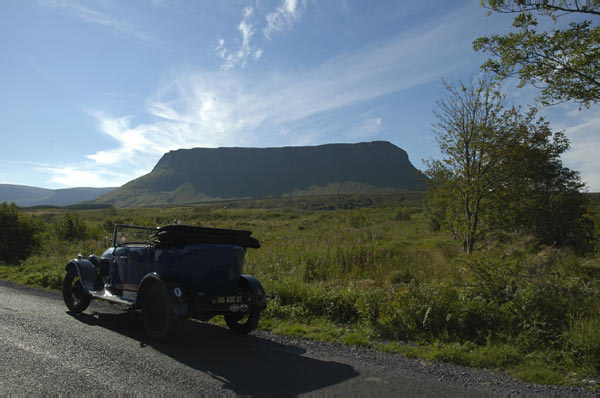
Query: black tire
(76,297)
(159,321)
(242,323)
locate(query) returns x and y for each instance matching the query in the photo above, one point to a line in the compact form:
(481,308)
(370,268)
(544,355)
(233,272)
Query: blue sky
(94,92)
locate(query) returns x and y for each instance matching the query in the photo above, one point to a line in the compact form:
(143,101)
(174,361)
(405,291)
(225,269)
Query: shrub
(71,227)
(19,234)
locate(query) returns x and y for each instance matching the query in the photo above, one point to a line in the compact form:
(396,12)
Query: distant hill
(24,195)
(206,174)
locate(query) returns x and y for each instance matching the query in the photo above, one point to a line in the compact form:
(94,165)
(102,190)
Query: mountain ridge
(186,176)
(25,195)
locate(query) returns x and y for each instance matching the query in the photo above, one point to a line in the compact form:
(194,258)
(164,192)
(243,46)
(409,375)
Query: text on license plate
(229,299)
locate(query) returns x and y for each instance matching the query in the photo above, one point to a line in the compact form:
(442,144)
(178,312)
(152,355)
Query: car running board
(106,295)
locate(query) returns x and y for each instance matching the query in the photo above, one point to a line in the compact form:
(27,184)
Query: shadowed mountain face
(24,195)
(204,174)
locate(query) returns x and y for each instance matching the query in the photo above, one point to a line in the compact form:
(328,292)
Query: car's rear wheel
(76,297)
(159,321)
(242,323)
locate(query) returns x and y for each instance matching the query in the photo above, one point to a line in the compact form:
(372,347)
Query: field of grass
(368,271)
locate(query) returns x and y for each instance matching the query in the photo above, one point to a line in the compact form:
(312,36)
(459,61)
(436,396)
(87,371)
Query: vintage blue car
(171,273)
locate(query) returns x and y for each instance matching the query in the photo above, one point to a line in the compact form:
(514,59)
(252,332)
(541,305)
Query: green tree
(466,132)
(543,198)
(501,169)
(563,62)
(19,234)
(71,227)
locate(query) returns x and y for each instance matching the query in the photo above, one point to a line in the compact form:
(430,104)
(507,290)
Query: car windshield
(130,234)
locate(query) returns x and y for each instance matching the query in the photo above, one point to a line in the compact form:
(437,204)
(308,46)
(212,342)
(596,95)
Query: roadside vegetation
(372,270)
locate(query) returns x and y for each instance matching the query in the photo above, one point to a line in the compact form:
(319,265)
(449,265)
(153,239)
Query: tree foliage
(71,227)
(501,169)
(19,234)
(467,133)
(543,198)
(563,62)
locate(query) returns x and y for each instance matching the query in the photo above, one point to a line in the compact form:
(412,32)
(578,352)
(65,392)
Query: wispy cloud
(284,16)
(93,177)
(228,105)
(83,174)
(24,163)
(93,16)
(246,50)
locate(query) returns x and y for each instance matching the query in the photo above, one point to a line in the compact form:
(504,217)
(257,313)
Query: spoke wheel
(76,297)
(159,320)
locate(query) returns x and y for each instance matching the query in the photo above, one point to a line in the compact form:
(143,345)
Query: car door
(118,273)
(137,265)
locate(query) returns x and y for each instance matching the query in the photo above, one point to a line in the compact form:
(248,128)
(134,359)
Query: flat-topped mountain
(24,195)
(205,174)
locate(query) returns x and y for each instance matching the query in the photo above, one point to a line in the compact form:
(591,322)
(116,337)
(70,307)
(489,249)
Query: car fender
(179,305)
(86,271)
(256,289)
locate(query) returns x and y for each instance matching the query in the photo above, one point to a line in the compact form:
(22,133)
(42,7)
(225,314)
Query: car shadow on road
(247,365)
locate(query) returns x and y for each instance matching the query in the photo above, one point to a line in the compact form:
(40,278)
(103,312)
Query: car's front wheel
(242,323)
(76,297)
(159,321)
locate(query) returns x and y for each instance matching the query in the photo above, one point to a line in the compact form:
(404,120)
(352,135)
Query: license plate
(229,300)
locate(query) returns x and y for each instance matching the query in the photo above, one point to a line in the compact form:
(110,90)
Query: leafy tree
(501,169)
(563,63)
(466,132)
(71,227)
(543,198)
(19,234)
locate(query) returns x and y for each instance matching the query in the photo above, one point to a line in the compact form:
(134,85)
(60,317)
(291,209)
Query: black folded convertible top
(175,235)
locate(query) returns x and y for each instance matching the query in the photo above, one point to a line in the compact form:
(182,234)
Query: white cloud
(284,17)
(239,57)
(220,49)
(93,177)
(130,140)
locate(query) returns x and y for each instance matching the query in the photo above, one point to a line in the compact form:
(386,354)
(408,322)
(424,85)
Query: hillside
(24,195)
(207,174)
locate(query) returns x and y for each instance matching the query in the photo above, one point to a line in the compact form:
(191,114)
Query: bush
(71,227)
(19,234)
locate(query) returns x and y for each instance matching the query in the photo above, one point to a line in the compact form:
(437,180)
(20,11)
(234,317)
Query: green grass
(368,271)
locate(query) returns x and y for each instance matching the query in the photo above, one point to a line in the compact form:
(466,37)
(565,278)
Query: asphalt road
(45,349)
